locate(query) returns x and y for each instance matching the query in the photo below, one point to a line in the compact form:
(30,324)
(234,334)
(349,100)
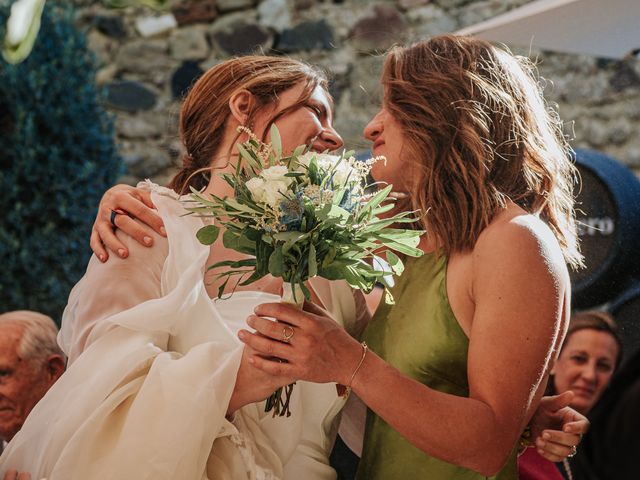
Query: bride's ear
(242,103)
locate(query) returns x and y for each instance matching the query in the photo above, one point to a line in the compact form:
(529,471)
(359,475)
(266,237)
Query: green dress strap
(421,337)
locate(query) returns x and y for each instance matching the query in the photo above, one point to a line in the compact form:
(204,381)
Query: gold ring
(287,333)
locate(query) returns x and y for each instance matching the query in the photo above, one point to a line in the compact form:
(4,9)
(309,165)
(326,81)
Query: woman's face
(387,137)
(585,366)
(311,124)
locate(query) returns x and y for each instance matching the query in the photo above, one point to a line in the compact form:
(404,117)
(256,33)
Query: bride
(156,371)
(158,385)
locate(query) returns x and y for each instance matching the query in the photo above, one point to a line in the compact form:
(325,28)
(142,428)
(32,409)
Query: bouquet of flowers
(302,215)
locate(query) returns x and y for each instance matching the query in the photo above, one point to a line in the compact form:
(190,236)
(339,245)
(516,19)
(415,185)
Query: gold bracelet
(525,440)
(365,347)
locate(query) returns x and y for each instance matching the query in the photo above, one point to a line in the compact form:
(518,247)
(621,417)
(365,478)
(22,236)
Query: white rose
(342,173)
(276,173)
(324,160)
(256,187)
(269,191)
(273,191)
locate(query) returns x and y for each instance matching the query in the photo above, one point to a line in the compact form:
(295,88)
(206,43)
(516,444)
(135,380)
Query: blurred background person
(611,451)
(30,363)
(590,354)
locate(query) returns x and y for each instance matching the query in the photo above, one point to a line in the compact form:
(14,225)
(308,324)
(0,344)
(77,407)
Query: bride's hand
(315,348)
(133,202)
(14,475)
(252,384)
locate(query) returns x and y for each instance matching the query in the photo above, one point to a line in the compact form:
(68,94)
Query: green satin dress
(420,336)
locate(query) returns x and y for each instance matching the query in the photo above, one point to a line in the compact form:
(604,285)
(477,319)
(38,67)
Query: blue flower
(291,211)
(348,202)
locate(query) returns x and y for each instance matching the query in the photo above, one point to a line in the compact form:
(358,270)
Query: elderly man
(30,362)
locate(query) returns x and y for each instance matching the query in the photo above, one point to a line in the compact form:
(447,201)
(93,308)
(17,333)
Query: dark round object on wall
(183,79)
(626,310)
(608,214)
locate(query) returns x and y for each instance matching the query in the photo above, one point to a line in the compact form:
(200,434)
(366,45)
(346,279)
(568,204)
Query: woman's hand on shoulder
(128,202)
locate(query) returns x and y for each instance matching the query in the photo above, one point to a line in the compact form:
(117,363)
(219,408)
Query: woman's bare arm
(520,293)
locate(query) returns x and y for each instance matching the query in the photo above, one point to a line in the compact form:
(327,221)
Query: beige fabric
(152,366)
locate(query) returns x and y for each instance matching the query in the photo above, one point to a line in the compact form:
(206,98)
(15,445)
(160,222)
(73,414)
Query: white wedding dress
(152,365)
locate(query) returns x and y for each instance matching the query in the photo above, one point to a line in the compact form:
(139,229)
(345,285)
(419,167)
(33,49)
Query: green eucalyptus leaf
(230,239)
(305,291)
(239,206)
(336,270)
(402,248)
(288,236)
(221,289)
(276,141)
(383,209)
(377,225)
(247,262)
(263,253)
(314,174)
(338,196)
(338,212)
(375,201)
(255,276)
(354,279)
(299,150)
(245,244)
(388,297)
(276,263)
(405,237)
(250,158)
(208,235)
(313,265)
(395,263)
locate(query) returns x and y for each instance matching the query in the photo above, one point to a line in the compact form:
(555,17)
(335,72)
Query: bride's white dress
(152,365)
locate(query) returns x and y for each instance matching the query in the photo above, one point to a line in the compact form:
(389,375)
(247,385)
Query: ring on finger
(287,333)
(113,218)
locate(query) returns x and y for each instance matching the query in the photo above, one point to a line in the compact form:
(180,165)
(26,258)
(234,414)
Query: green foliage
(304,215)
(57,156)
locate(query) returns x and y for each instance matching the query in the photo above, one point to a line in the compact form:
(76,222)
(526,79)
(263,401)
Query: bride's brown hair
(205,109)
(479,133)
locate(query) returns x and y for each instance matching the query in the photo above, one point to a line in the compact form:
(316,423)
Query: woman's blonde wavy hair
(479,133)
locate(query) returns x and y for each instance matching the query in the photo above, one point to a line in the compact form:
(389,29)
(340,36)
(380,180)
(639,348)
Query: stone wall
(147,59)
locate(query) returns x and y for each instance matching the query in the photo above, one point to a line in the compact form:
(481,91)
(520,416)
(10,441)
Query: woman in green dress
(454,370)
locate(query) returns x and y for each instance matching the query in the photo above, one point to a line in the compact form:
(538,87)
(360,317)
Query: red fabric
(532,466)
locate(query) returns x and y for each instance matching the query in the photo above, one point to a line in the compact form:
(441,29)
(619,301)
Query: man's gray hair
(39,339)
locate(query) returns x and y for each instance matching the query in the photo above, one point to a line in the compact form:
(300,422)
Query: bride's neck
(217,186)
(224,162)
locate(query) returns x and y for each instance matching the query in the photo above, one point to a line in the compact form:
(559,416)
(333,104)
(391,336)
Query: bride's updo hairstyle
(478,133)
(205,110)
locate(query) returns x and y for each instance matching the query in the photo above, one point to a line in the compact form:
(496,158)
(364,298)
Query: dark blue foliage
(57,156)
